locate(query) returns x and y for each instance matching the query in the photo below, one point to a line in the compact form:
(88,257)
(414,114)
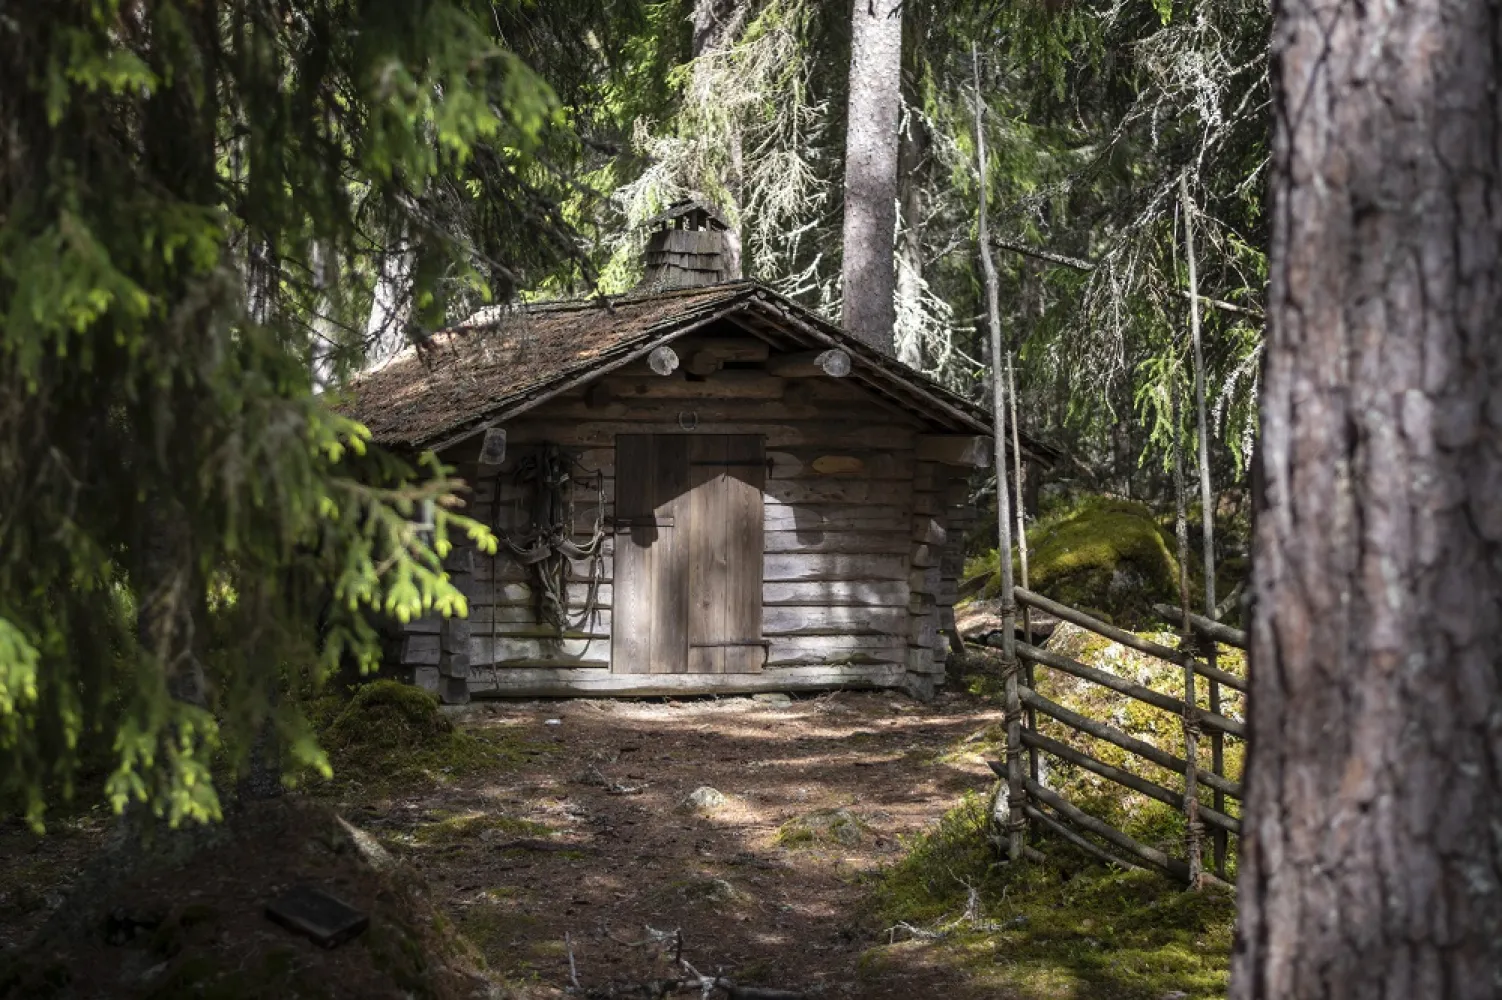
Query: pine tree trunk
(390,306)
(1373,860)
(716,24)
(912,150)
(869,275)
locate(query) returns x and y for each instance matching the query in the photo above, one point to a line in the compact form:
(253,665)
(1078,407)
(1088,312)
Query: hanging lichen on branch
(547,548)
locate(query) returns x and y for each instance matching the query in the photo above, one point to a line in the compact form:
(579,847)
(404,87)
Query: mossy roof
(504,361)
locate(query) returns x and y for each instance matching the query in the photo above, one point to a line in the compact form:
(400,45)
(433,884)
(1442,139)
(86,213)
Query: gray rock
(704,799)
(772,698)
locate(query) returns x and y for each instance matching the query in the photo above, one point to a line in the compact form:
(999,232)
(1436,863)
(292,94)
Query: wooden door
(688,553)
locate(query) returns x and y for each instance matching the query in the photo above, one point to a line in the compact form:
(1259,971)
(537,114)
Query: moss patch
(392,736)
(471,826)
(1105,555)
(1071,927)
(824,826)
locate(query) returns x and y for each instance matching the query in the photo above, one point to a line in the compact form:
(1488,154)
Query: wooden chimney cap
(696,214)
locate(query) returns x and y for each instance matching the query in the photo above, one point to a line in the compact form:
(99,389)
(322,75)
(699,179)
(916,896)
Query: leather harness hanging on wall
(547,548)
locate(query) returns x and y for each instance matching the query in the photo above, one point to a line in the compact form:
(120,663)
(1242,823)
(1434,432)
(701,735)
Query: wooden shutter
(688,554)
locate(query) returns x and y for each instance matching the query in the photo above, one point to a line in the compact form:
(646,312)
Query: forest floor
(841,853)
(592,840)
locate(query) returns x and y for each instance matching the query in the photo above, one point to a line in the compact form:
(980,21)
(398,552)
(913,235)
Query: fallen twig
(596,777)
(573,970)
(691,981)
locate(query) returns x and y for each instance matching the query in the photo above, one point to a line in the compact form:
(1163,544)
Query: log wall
(858,573)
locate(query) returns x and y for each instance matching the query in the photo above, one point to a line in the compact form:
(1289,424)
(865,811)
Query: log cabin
(700,487)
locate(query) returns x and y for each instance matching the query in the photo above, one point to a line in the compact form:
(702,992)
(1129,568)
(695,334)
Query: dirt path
(577,839)
(551,849)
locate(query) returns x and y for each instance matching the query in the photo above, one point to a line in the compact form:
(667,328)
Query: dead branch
(691,980)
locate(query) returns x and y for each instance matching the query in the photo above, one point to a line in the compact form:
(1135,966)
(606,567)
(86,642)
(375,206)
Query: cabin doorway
(688,554)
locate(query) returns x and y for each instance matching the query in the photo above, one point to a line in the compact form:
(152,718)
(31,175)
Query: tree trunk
(390,306)
(716,25)
(711,19)
(912,151)
(869,275)
(1373,855)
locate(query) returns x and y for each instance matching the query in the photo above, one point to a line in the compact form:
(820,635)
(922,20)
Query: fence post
(1016,790)
(1193,829)
(1218,836)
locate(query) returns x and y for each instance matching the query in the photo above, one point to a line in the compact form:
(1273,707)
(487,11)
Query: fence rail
(1050,810)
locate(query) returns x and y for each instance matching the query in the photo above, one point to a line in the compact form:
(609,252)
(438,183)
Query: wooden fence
(1044,808)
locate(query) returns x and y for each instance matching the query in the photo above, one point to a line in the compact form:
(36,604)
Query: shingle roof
(502,361)
(497,356)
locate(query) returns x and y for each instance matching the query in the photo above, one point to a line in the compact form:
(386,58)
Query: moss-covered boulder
(390,736)
(389,714)
(1104,555)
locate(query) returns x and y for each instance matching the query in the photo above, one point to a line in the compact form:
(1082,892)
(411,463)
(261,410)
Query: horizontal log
(791,620)
(778,515)
(1114,736)
(598,396)
(483,651)
(1126,779)
(516,497)
(836,593)
(1124,637)
(589,631)
(929,531)
(1233,681)
(790,406)
(534,682)
(1088,846)
(779,433)
(518,594)
(802,566)
(835,649)
(895,542)
(707,355)
(734,384)
(1172,866)
(799,463)
(482,616)
(1105,679)
(508,570)
(838,490)
(420,650)
(925,580)
(833,363)
(810,463)
(838,465)
(971,451)
(1204,626)
(521,623)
